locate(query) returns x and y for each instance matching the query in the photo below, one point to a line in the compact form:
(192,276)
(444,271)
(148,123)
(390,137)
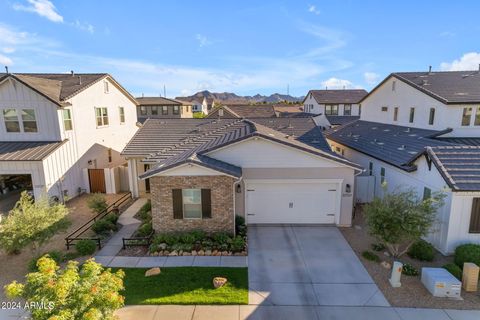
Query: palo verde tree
(90,292)
(31,223)
(401,217)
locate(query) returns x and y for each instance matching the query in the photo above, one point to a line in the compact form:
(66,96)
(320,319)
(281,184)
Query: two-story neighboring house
(336,107)
(421,130)
(61,134)
(159,107)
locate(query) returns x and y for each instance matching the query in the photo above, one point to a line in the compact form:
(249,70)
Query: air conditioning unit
(441,283)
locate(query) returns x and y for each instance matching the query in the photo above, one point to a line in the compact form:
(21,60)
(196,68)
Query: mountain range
(234,98)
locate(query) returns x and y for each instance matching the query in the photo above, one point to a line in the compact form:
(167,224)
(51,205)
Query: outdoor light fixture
(348,188)
(238,188)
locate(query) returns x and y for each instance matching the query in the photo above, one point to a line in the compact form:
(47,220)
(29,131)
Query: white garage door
(292,202)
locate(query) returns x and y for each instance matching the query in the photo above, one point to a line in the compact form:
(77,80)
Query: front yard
(185,285)
(412,293)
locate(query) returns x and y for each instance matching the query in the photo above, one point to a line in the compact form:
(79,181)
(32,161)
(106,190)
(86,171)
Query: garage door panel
(275,202)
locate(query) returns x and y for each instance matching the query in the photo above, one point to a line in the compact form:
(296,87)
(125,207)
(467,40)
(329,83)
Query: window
(347,110)
(384,109)
(359,109)
(109,154)
(467,115)
(427,193)
(477,117)
(331,109)
(475,216)
(11,120)
(220,112)
(394,84)
(67,119)
(176,110)
(370,168)
(382,175)
(143,111)
(29,120)
(121,111)
(431,117)
(154,111)
(395,114)
(105,86)
(412,115)
(192,203)
(164,110)
(101,115)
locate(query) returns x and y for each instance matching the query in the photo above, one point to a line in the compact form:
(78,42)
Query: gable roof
(341,120)
(396,145)
(59,87)
(458,165)
(245,111)
(448,87)
(338,96)
(27,151)
(159,101)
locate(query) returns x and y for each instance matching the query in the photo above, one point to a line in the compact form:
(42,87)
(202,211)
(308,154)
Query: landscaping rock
(358,227)
(162,246)
(386,254)
(224,253)
(173,253)
(201,253)
(152,272)
(386,265)
(166,253)
(219,282)
(155,254)
(214,253)
(208,252)
(238,254)
(186,254)
(194,253)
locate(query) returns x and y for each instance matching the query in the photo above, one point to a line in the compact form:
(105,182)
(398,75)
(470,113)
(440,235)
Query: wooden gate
(97,180)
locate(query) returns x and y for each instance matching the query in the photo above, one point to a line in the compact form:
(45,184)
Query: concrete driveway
(307,266)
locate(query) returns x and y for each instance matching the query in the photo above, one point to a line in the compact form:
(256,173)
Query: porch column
(133,177)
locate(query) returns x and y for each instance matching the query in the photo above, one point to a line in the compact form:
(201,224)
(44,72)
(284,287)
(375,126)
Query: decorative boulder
(386,265)
(219,282)
(152,272)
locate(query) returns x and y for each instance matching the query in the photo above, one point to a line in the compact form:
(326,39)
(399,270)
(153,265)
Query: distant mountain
(228,97)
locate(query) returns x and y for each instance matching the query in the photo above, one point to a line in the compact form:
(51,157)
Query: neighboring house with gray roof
(343,102)
(61,134)
(160,107)
(203,172)
(420,130)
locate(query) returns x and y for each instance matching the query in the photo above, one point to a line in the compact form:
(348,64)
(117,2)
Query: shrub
(71,255)
(370,256)
(221,238)
(144,213)
(97,203)
(467,253)
(86,247)
(88,292)
(169,239)
(199,235)
(409,270)
(103,226)
(187,238)
(111,217)
(454,270)
(145,230)
(238,244)
(422,250)
(378,247)
(56,256)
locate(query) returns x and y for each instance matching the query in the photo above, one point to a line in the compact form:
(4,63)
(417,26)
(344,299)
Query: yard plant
(401,218)
(467,253)
(422,250)
(97,203)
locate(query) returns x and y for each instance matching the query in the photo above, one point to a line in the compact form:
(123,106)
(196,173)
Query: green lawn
(186,285)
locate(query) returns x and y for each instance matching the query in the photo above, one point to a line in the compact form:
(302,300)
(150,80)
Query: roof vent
(402,147)
(386,130)
(407,130)
(80,80)
(374,128)
(73,73)
(425,82)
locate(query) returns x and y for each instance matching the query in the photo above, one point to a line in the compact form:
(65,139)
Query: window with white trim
(67,119)
(10,118)
(192,203)
(101,115)
(121,112)
(466,116)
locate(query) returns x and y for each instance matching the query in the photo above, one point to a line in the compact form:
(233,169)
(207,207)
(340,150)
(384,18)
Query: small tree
(89,293)
(199,115)
(400,218)
(97,203)
(31,222)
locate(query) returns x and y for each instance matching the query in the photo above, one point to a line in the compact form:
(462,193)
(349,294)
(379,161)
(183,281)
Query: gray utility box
(441,283)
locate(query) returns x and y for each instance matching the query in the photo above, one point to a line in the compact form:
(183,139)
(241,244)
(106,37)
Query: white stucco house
(61,134)
(422,130)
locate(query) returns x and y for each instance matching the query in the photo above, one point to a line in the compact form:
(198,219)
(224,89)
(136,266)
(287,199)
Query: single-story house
(200,173)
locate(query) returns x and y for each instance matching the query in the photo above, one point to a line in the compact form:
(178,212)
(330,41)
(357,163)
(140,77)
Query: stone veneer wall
(222,202)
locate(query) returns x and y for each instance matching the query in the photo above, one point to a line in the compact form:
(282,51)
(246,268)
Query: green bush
(97,202)
(422,250)
(378,247)
(467,253)
(144,213)
(169,239)
(112,217)
(238,244)
(145,230)
(55,255)
(187,238)
(71,255)
(199,235)
(86,247)
(409,270)
(454,270)
(103,226)
(221,238)
(370,256)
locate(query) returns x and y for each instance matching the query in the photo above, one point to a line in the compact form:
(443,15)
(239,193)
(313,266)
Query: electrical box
(470,277)
(441,283)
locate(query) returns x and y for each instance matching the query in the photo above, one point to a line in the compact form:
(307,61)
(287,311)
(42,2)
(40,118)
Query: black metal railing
(114,207)
(138,241)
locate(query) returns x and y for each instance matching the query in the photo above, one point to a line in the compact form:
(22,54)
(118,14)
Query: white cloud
(84,26)
(203,41)
(469,61)
(371,78)
(43,8)
(335,83)
(8,50)
(5,61)
(313,9)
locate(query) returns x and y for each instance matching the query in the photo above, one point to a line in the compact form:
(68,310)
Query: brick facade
(221,197)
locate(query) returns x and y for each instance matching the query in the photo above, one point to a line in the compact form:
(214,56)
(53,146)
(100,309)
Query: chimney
(80,80)
(73,73)
(6,69)
(429,69)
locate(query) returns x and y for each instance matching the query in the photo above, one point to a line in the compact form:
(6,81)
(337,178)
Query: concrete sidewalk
(182,261)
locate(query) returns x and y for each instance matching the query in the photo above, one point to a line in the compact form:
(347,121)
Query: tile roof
(396,145)
(341,120)
(462,141)
(338,96)
(159,101)
(245,111)
(459,166)
(27,151)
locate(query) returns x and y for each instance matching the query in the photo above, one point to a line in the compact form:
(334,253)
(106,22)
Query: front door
(97,180)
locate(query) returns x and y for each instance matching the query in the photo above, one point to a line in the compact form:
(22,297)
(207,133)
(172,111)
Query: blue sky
(246,47)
